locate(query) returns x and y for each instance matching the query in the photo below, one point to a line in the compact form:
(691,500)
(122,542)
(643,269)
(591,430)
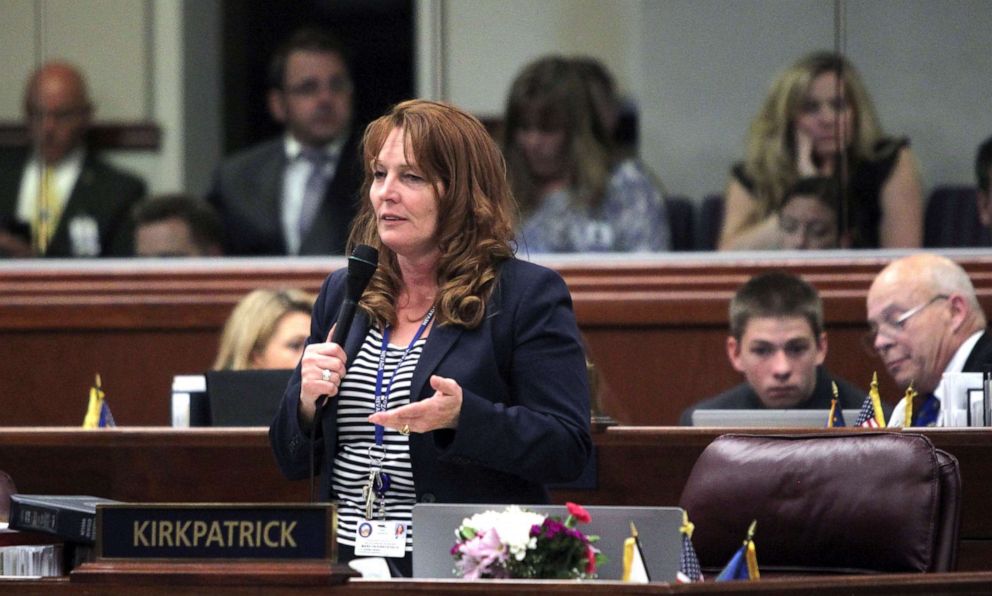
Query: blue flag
(836,416)
(744,563)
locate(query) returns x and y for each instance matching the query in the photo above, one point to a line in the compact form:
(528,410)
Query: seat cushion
(823,502)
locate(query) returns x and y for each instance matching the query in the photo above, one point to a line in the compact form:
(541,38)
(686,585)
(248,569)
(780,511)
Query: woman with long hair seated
(818,120)
(576,193)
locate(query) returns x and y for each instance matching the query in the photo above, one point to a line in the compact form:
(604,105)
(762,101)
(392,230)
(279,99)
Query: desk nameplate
(217,531)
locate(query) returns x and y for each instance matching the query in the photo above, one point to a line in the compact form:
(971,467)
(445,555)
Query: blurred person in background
(266,329)
(576,193)
(807,219)
(818,120)
(57,197)
(297,194)
(176,226)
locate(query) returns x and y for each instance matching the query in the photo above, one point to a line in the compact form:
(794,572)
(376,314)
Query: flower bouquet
(520,544)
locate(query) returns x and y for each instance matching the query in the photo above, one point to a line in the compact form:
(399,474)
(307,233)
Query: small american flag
(867,415)
(871,415)
(689,570)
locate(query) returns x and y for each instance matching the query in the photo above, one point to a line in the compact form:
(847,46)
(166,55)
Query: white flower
(512,525)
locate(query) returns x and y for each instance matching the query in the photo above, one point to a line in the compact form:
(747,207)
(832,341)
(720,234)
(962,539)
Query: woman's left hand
(440,410)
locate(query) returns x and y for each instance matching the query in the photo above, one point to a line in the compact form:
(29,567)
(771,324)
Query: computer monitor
(245,397)
(768,418)
(434,526)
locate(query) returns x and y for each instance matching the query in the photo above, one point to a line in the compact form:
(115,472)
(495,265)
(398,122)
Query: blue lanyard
(381,398)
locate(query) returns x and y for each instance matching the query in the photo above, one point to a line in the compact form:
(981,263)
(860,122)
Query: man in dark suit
(296,194)
(57,199)
(778,343)
(926,321)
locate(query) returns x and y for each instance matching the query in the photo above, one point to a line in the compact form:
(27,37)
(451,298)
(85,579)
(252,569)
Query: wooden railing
(655,327)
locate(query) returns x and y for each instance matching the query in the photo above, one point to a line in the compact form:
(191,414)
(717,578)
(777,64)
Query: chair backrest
(710,222)
(682,221)
(827,503)
(951,218)
(7,488)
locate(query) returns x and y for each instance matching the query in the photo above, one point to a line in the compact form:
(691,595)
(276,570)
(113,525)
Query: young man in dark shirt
(778,343)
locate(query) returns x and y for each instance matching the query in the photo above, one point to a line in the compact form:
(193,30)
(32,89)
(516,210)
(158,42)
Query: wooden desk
(636,466)
(935,584)
(655,327)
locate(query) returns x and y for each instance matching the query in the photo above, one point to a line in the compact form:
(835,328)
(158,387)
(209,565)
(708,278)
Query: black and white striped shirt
(356,434)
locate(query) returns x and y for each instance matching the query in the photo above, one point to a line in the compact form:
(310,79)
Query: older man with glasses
(925,321)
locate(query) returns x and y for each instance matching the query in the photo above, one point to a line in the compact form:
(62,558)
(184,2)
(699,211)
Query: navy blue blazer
(524,420)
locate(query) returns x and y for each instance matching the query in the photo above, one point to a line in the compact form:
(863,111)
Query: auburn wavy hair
(476,211)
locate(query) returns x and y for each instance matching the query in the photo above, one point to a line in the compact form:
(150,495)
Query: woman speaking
(463,377)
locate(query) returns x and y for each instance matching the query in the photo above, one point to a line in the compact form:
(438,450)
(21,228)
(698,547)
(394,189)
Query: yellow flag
(876,400)
(634,569)
(752,561)
(92,419)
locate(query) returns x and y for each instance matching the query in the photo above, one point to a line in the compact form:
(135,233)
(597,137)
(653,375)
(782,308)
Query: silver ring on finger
(325,375)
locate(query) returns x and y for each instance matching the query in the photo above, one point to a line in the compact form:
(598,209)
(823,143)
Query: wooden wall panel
(643,466)
(655,328)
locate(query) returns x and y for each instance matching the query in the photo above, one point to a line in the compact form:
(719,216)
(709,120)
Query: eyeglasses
(37,114)
(895,327)
(811,106)
(310,87)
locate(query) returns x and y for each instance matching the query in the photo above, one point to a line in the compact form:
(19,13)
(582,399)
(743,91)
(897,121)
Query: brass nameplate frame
(216,531)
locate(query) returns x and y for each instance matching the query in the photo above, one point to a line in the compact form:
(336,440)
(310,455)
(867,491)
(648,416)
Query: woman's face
(807,224)
(285,347)
(403,199)
(825,116)
(544,149)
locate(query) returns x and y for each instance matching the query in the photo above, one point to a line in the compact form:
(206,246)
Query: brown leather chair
(827,503)
(7,488)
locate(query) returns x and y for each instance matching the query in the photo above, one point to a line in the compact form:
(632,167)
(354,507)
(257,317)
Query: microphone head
(361,267)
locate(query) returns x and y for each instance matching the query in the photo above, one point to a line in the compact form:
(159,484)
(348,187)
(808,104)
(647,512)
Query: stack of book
(48,535)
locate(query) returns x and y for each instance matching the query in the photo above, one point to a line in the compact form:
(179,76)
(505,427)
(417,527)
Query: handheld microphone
(361,267)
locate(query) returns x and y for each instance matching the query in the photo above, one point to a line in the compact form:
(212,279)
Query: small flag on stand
(744,563)
(871,414)
(98,412)
(634,569)
(836,414)
(689,569)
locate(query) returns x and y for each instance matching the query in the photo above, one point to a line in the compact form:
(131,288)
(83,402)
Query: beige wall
(105,38)
(489,42)
(145,61)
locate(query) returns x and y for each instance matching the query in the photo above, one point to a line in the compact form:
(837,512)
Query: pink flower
(481,556)
(578,512)
(590,559)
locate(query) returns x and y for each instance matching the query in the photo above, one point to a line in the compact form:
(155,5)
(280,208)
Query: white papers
(955,403)
(182,387)
(34,560)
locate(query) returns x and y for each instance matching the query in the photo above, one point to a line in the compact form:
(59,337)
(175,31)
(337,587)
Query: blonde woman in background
(818,120)
(267,329)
